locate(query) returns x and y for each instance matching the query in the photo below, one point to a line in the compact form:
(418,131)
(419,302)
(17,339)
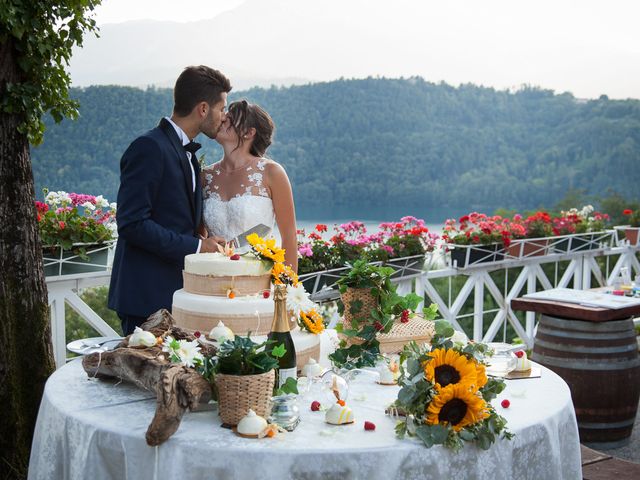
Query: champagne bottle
(281,334)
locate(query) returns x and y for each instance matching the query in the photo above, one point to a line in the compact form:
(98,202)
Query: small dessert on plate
(339,415)
(312,369)
(523,364)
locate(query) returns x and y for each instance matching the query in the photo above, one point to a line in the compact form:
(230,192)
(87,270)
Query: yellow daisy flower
(457,406)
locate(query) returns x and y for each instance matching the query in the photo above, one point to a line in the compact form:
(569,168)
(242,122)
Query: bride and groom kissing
(168,207)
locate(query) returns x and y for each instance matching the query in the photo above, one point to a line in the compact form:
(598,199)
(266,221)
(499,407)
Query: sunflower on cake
(228,294)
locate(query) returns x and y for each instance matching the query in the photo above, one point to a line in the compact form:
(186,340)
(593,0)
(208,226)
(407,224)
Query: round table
(89,428)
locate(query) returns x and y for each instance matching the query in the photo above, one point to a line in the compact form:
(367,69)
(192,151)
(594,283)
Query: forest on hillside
(390,145)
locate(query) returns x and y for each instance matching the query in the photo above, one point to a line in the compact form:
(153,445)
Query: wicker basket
(364,295)
(239,393)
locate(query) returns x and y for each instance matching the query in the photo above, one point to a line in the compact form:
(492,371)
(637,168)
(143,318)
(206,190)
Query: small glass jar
(502,361)
(285,412)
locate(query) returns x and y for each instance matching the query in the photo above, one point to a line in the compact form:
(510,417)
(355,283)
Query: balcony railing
(578,269)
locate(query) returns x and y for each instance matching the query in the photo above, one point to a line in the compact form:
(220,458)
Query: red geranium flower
(321,228)
(627,211)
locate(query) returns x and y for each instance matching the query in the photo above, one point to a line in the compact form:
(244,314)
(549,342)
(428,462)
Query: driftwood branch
(177,388)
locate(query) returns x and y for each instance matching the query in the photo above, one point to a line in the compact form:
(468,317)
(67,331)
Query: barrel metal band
(583,364)
(595,349)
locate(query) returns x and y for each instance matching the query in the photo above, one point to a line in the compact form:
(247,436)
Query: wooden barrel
(600,363)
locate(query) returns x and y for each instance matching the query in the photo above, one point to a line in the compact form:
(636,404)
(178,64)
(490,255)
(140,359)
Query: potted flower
(530,235)
(76,232)
(581,227)
(477,239)
(244,377)
(402,245)
(631,232)
(370,307)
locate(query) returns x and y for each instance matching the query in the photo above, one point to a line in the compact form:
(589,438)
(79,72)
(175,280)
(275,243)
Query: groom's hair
(198,84)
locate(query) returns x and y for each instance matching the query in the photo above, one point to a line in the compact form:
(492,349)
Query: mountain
(354,148)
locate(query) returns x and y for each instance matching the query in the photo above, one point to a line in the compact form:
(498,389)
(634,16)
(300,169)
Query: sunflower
(457,406)
(283,275)
(312,321)
(448,367)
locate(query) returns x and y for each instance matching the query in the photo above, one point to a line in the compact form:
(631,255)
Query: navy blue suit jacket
(158,216)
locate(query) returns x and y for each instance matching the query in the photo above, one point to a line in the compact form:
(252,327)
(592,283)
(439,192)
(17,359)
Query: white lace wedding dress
(236,201)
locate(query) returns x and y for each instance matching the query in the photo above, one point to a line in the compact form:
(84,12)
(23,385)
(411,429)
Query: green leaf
(289,386)
(279,351)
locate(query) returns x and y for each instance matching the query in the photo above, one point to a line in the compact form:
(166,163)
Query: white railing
(487,323)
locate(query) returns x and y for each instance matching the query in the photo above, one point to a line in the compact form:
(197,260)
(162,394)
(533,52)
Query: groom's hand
(210,244)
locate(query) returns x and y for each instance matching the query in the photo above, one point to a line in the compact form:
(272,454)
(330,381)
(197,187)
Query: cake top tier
(219,265)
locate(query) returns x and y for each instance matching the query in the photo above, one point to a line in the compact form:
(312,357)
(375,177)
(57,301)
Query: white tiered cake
(236,292)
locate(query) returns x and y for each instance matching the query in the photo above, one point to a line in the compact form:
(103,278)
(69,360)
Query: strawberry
(505,403)
(378,326)
(519,353)
(266,294)
(315,406)
(234,257)
(369,426)
(197,334)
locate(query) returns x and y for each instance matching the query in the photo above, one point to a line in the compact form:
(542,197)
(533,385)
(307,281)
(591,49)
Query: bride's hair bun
(245,116)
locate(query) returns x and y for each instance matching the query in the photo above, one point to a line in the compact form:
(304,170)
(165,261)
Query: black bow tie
(192,147)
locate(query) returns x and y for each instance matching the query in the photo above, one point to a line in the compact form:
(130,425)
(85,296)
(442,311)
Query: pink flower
(305,250)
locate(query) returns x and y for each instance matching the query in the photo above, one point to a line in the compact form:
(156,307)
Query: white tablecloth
(96,429)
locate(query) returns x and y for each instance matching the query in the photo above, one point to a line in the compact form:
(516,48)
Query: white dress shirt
(185,139)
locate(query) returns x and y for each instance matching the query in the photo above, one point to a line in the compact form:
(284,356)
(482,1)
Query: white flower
(89,206)
(101,202)
(113,206)
(298,299)
(189,353)
(459,337)
(52,199)
(63,198)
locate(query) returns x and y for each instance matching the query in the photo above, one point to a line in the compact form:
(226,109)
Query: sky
(587,47)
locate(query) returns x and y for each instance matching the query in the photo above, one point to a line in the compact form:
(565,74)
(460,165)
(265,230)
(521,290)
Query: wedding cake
(234,290)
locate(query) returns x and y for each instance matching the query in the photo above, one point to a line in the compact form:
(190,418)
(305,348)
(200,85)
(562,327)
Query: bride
(246,188)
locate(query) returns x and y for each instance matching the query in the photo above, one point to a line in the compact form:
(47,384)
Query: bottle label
(285,373)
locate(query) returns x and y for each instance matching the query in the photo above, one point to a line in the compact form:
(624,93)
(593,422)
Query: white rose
(459,337)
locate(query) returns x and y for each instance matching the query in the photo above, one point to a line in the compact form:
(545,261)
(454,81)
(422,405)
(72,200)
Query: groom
(160,199)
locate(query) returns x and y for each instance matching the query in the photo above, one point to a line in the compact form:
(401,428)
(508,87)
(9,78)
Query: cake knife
(241,240)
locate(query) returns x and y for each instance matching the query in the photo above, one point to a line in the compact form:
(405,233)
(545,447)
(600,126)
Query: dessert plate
(93,344)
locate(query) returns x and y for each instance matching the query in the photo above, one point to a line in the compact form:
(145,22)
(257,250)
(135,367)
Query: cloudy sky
(587,47)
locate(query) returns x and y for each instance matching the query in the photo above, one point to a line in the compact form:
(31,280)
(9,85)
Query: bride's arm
(282,197)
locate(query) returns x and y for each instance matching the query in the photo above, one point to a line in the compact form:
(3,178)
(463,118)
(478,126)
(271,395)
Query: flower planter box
(69,262)
(528,248)
(631,234)
(463,256)
(322,285)
(581,242)
(405,267)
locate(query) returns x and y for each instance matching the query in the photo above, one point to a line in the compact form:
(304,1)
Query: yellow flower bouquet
(445,393)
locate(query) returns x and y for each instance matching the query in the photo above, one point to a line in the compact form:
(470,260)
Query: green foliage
(43,35)
(243,356)
(347,152)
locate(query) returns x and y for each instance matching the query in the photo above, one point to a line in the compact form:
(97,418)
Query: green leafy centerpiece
(445,393)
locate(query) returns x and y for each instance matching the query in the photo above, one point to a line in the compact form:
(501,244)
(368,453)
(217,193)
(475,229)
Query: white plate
(88,345)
